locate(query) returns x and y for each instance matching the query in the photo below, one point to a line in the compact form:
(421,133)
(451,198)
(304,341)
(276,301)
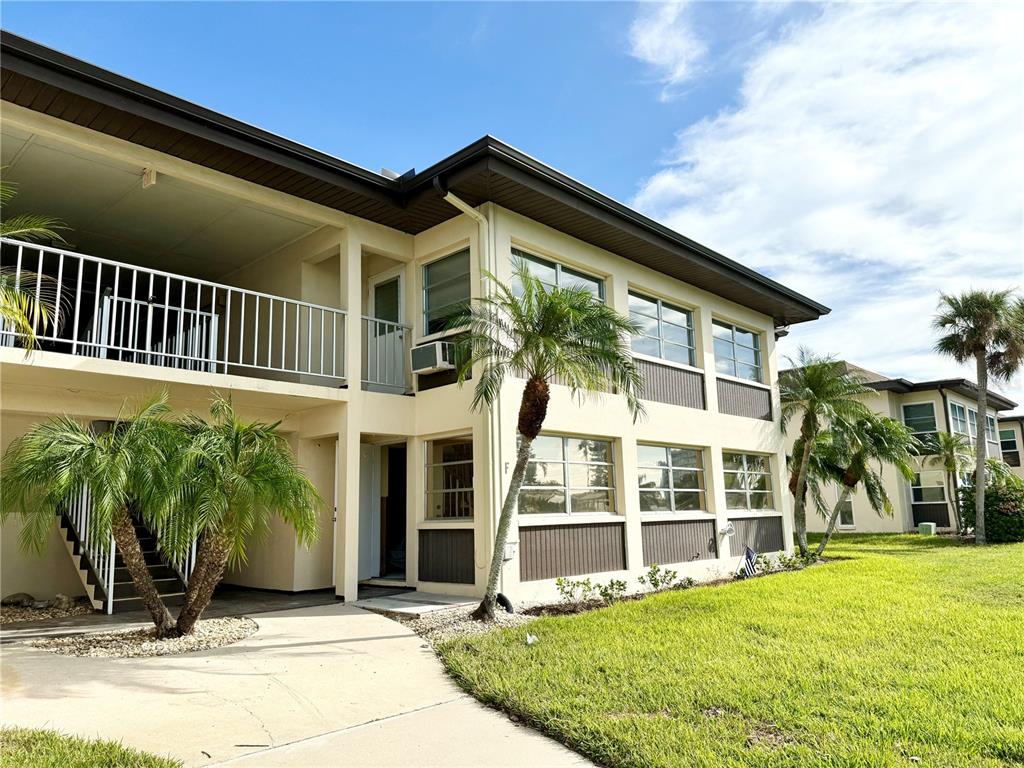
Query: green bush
(1004,511)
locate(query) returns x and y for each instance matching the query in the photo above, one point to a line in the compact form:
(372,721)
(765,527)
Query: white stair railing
(100,551)
(112,310)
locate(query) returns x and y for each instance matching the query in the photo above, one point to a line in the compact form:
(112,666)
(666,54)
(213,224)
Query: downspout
(494,448)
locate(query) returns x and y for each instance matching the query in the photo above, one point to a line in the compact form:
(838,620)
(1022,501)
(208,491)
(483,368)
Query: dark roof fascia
(961,386)
(524,169)
(1018,417)
(68,73)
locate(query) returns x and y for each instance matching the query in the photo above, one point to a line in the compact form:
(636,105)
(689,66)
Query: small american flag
(746,567)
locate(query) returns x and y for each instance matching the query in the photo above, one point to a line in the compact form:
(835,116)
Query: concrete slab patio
(328,685)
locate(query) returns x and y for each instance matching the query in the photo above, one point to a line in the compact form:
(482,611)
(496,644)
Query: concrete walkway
(329,685)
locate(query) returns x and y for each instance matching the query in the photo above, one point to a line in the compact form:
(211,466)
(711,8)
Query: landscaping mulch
(10,614)
(138,643)
(446,625)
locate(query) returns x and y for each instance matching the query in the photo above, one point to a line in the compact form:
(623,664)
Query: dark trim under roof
(53,83)
(961,386)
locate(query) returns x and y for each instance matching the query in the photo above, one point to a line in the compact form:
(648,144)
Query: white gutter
(487,250)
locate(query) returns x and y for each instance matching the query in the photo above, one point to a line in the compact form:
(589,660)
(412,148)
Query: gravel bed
(10,614)
(439,626)
(136,643)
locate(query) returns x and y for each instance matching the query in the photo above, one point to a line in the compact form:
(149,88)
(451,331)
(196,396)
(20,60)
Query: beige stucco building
(205,254)
(929,407)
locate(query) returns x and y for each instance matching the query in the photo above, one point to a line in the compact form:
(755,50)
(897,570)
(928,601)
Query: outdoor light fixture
(148,177)
(727,530)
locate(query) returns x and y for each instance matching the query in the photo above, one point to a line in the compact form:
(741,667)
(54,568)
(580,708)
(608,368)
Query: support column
(629,500)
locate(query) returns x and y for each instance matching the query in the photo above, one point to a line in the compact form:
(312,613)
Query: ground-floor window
(845,510)
(928,487)
(748,481)
(670,478)
(569,475)
(449,481)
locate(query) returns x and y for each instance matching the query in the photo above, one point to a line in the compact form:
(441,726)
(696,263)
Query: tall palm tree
(952,453)
(986,328)
(540,334)
(870,439)
(124,468)
(231,477)
(820,393)
(20,311)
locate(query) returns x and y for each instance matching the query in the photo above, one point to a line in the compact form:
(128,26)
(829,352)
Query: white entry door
(369,511)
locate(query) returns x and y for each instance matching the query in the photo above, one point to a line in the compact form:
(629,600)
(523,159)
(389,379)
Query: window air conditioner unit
(433,357)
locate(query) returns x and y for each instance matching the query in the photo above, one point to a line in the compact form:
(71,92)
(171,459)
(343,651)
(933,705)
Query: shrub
(575,592)
(1004,511)
(658,578)
(612,591)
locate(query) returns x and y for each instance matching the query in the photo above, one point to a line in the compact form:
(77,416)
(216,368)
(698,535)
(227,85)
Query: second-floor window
(958,419)
(666,331)
(552,274)
(737,351)
(964,421)
(1008,446)
(920,419)
(446,291)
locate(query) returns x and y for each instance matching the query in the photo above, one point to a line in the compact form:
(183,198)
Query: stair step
(157,571)
(163,586)
(134,603)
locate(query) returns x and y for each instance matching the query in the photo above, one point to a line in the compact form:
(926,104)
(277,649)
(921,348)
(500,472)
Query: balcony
(385,356)
(117,311)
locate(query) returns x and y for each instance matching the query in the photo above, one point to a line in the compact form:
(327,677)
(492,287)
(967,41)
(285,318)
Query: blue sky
(868,155)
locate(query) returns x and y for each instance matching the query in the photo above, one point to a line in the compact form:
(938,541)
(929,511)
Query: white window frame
(660,305)
(566,488)
(424,309)
(953,419)
(1013,439)
(759,349)
(849,500)
(992,437)
(916,483)
(427,492)
(519,253)
(702,494)
(746,491)
(935,417)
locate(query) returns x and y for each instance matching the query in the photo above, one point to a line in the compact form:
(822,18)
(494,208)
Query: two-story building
(927,408)
(205,254)
(1011,441)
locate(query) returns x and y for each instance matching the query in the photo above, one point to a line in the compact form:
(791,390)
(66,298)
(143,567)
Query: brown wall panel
(447,556)
(761,534)
(549,551)
(744,400)
(678,541)
(668,384)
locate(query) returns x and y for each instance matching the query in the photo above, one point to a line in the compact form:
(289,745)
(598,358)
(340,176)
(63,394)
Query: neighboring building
(928,407)
(1011,441)
(206,254)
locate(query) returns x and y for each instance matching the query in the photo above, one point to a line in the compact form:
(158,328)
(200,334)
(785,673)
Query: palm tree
(230,478)
(954,455)
(821,393)
(541,334)
(870,439)
(20,311)
(124,468)
(987,328)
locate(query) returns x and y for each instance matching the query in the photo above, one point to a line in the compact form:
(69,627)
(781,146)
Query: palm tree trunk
(486,609)
(799,502)
(211,560)
(954,500)
(127,542)
(832,520)
(981,449)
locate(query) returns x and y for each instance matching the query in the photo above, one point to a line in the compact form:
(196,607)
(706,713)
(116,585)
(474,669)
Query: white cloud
(875,158)
(662,37)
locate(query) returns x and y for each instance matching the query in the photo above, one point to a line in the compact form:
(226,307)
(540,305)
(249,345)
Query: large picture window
(568,475)
(671,479)
(737,351)
(552,274)
(920,419)
(748,481)
(666,331)
(449,485)
(446,291)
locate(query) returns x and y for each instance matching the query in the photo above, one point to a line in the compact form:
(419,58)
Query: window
(1007,440)
(972,423)
(671,479)
(737,351)
(449,483)
(553,274)
(665,331)
(928,487)
(992,436)
(748,481)
(446,290)
(845,510)
(920,418)
(958,418)
(568,475)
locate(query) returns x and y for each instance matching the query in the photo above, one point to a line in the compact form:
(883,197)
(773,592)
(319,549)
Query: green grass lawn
(901,647)
(30,748)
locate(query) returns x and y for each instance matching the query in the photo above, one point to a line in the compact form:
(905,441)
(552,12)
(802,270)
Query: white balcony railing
(118,311)
(385,355)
